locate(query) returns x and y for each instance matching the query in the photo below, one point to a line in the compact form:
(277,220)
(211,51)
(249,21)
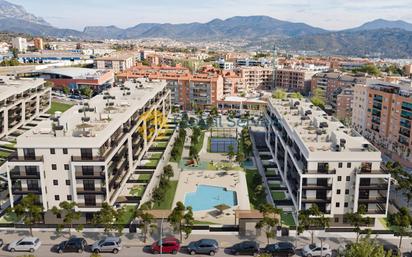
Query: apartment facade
(359,107)
(344,102)
(323,162)
(116,61)
(20,44)
(257,77)
(21,100)
(87,154)
(38,43)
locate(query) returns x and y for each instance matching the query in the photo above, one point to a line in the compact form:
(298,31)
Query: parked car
(75,244)
(108,244)
(26,244)
(280,249)
(394,249)
(317,250)
(205,246)
(245,248)
(166,245)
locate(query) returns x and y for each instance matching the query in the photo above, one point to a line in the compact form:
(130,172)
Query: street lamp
(161,236)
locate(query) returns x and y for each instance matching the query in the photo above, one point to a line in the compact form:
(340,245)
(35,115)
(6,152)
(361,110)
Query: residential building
(293,80)
(76,78)
(38,43)
(88,153)
(344,101)
(20,44)
(242,104)
(408,70)
(323,162)
(359,107)
(257,77)
(21,101)
(117,61)
(233,84)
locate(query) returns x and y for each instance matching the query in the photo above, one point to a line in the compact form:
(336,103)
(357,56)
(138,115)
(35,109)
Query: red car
(166,245)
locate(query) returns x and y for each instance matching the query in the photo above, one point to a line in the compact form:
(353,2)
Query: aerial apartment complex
(323,162)
(115,61)
(21,100)
(87,153)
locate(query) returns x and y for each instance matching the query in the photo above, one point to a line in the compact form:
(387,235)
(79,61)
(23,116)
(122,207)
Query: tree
(66,90)
(311,218)
(296,95)
(240,157)
(357,220)
(214,112)
(67,209)
(231,153)
(365,247)
(318,98)
(146,220)
(279,94)
(105,217)
(168,171)
(270,220)
(181,219)
(401,223)
(86,91)
(28,210)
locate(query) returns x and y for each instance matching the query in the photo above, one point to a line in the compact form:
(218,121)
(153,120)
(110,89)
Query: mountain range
(378,38)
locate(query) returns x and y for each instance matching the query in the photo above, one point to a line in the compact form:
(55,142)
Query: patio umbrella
(222,207)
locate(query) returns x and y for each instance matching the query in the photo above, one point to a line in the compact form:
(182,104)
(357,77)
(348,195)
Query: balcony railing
(89,205)
(90,191)
(91,175)
(378,199)
(24,175)
(87,159)
(316,187)
(15,158)
(24,191)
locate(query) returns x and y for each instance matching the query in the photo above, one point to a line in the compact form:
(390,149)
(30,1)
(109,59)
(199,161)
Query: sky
(327,14)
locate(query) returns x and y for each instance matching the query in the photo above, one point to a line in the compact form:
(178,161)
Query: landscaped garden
(137,190)
(58,107)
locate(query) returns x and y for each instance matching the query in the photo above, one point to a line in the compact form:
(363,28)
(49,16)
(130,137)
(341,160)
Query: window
(346,205)
(340,165)
(57,197)
(67,182)
(336,220)
(349,164)
(58,216)
(337,204)
(339,178)
(69,198)
(346,191)
(52,151)
(55,182)
(64,150)
(54,167)
(66,167)
(347,178)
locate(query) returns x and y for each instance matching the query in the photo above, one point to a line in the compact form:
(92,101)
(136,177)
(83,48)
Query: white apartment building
(87,154)
(360,107)
(323,162)
(20,44)
(257,77)
(116,62)
(21,101)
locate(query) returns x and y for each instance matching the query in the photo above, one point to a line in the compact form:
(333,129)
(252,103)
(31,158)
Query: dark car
(204,246)
(166,245)
(391,248)
(280,249)
(245,248)
(76,244)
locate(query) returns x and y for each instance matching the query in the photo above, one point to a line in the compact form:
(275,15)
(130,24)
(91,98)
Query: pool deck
(233,181)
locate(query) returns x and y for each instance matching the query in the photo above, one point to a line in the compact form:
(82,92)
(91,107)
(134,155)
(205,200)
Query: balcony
(373,187)
(25,191)
(15,158)
(316,200)
(89,205)
(320,171)
(87,159)
(91,191)
(91,175)
(24,175)
(377,199)
(317,187)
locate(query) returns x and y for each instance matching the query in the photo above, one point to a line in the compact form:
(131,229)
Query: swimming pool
(207,197)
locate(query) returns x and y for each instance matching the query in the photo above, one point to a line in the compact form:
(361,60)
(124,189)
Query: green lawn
(166,204)
(151,163)
(287,219)
(155,156)
(223,166)
(278,195)
(199,145)
(9,218)
(199,222)
(160,144)
(4,154)
(137,190)
(56,106)
(252,179)
(128,215)
(145,176)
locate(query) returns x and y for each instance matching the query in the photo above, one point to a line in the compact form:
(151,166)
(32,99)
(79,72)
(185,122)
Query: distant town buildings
(38,43)
(20,44)
(117,61)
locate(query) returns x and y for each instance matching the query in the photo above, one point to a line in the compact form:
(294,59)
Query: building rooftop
(75,73)
(116,56)
(103,116)
(10,86)
(321,135)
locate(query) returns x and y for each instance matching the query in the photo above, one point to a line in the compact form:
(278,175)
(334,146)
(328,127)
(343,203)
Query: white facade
(323,162)
(88,153)
(20,44)
(359,107)
(21,100)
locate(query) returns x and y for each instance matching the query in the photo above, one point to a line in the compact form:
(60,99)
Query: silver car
(108,244)
(26,244)
(317,249)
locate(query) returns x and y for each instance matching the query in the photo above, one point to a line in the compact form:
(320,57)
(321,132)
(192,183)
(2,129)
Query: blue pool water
(207,197)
